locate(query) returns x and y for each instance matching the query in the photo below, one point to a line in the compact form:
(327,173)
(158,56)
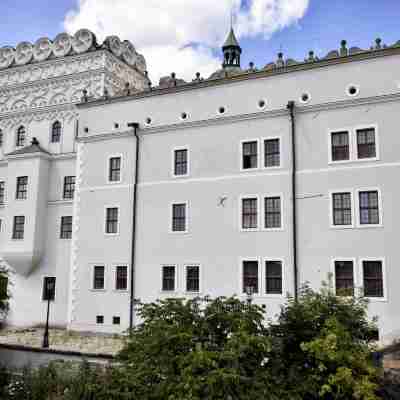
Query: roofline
(365,55)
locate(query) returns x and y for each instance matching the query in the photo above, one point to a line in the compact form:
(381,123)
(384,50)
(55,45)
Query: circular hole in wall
(221,110)
(184,115)
(148,121)
(305,98)
(116,125)
(262,103)
(352,90)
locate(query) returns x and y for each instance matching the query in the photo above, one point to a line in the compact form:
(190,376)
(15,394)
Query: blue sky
(322,28)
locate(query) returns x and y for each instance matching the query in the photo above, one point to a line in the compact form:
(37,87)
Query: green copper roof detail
(231,40)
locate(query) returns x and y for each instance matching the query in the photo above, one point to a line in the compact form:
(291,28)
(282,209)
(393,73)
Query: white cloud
(164,30)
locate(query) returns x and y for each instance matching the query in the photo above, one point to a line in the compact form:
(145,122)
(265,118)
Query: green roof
(231,40)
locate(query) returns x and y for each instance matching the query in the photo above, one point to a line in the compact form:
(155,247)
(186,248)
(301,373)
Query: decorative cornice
(105,136)
(29,155)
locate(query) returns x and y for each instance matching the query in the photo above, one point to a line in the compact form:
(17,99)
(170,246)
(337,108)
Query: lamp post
(249,294)
(49,290)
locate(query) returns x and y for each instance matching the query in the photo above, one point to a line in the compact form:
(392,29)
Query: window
(250,213)
(1,138)
(373,278)
(168,278)
(179,217)
(2,192)
(366,147)
(19,227)
(271,153)
(114,170)
(21,136)
(180,162)
(3,287)
(116,320)
(344,278)
(250,276)
(1,224)
(272,207)
(69,187)
(22,187)
(49,288)
(66,227)
(112,220)
(99,319)
(98,277)
(121,277)
(273,277)
(250,155)
(341,203)
(56,132)
(340,146)
(192,278)
(369,207)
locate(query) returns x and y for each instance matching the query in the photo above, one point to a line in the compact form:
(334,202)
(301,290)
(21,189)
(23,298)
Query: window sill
(114,182)
(98,290)
(120,291)
(340,227)
(376,299)
(281,229)
(179,176)
(111,234)
(369,226)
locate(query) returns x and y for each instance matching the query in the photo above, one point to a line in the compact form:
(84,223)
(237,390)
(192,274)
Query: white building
(213,167)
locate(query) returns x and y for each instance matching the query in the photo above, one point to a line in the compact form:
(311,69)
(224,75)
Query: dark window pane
(178,217)
(272,207)
(98,277)
(180,162)
(121,278)
(369,208)
(250,156)
(373,278)
(168,278)
(366,147)
(21,135)
(1,138)
(2,192)
(249,213)
(271,153)
(56,132)
(250,276)
(341,209)
(340,146)
(114,174)
(66,227)
(99,319)
(49,288)
(69,187)
(193,278)
(19,227)
(273,277)
(116,320)
(344,278)
(112,220)
(22,187)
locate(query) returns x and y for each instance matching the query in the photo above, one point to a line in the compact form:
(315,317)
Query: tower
(232,51)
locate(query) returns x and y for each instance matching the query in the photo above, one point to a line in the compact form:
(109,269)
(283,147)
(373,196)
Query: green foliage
(4,294)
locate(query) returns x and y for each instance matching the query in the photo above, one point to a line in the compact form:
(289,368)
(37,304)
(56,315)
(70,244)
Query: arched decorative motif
(21,136)
(56,132)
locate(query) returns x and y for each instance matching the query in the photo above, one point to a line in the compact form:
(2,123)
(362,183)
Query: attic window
(116,125)
(305,98)
(184,115)
(148,121)
(262,104)
(352,90)
(221,110)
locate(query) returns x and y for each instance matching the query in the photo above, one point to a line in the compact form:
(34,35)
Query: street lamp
(49,290)
(249,294)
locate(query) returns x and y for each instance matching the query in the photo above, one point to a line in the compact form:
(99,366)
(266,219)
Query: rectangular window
(98,277)
(121,277)
(341,208)
(69,187)
(2,192)
(250,276)
(249,213)
(168,278)
(271,153)
(369,207)
(99,319)
(18,227)
(180,162)
(340,146)
(373,278)
(192,278)
(1,138)
(179,217)
(273,217)
(250,155)
(22,188)
(66,227)
(3,287)
(366,146)
(116,320)
(273,277)
(49,288)
(344,278)
(112,220)
(114,169)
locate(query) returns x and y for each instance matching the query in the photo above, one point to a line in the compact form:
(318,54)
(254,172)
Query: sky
(185,36)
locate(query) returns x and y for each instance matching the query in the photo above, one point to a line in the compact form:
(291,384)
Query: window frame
(241,275)
(257,140)
(263,210)
(61,227)
(355,145)
(380,207)
(173,150)
(330,147)
(115,268)
(24,192)
(51,132)
(17,139)
(263,140)
(64,185)
(176,279)
(264,278)
(108,169)
(185,267)
(171,217)
(355,274)
(118,220)
(384,282)
(3,184)
(244,197)
(92,267)
(13,228)
(353,209)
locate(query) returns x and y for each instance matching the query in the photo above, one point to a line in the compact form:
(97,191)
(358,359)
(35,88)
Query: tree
(4,295)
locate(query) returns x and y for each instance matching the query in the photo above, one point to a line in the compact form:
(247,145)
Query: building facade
(248,181)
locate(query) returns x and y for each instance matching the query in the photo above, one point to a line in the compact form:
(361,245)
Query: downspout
(135,127)
(291,108)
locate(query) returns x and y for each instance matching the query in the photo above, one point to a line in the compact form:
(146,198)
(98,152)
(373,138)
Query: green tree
(4,294)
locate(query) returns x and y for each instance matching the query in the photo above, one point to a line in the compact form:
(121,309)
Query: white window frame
(64,199)
(361,269)
(355,274)
(171,214)
(185,266)
(240,281)
(108,169)
(51,131)
(355,147)
(259,156)
(262,206)
(357,206)
(264,277)
(263,139)
(105,220)
(16,136)
(114,280)
(249,196)
(92,289)
(173,161)
(176,288)
(349,130)
(353,211)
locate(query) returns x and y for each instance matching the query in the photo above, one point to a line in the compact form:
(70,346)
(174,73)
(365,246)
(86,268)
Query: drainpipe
(291,108)
(135,127)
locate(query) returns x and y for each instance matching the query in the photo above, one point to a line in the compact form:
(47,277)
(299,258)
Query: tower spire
(231,49)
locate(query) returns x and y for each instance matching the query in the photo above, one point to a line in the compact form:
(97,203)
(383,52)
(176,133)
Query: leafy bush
(4,295)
